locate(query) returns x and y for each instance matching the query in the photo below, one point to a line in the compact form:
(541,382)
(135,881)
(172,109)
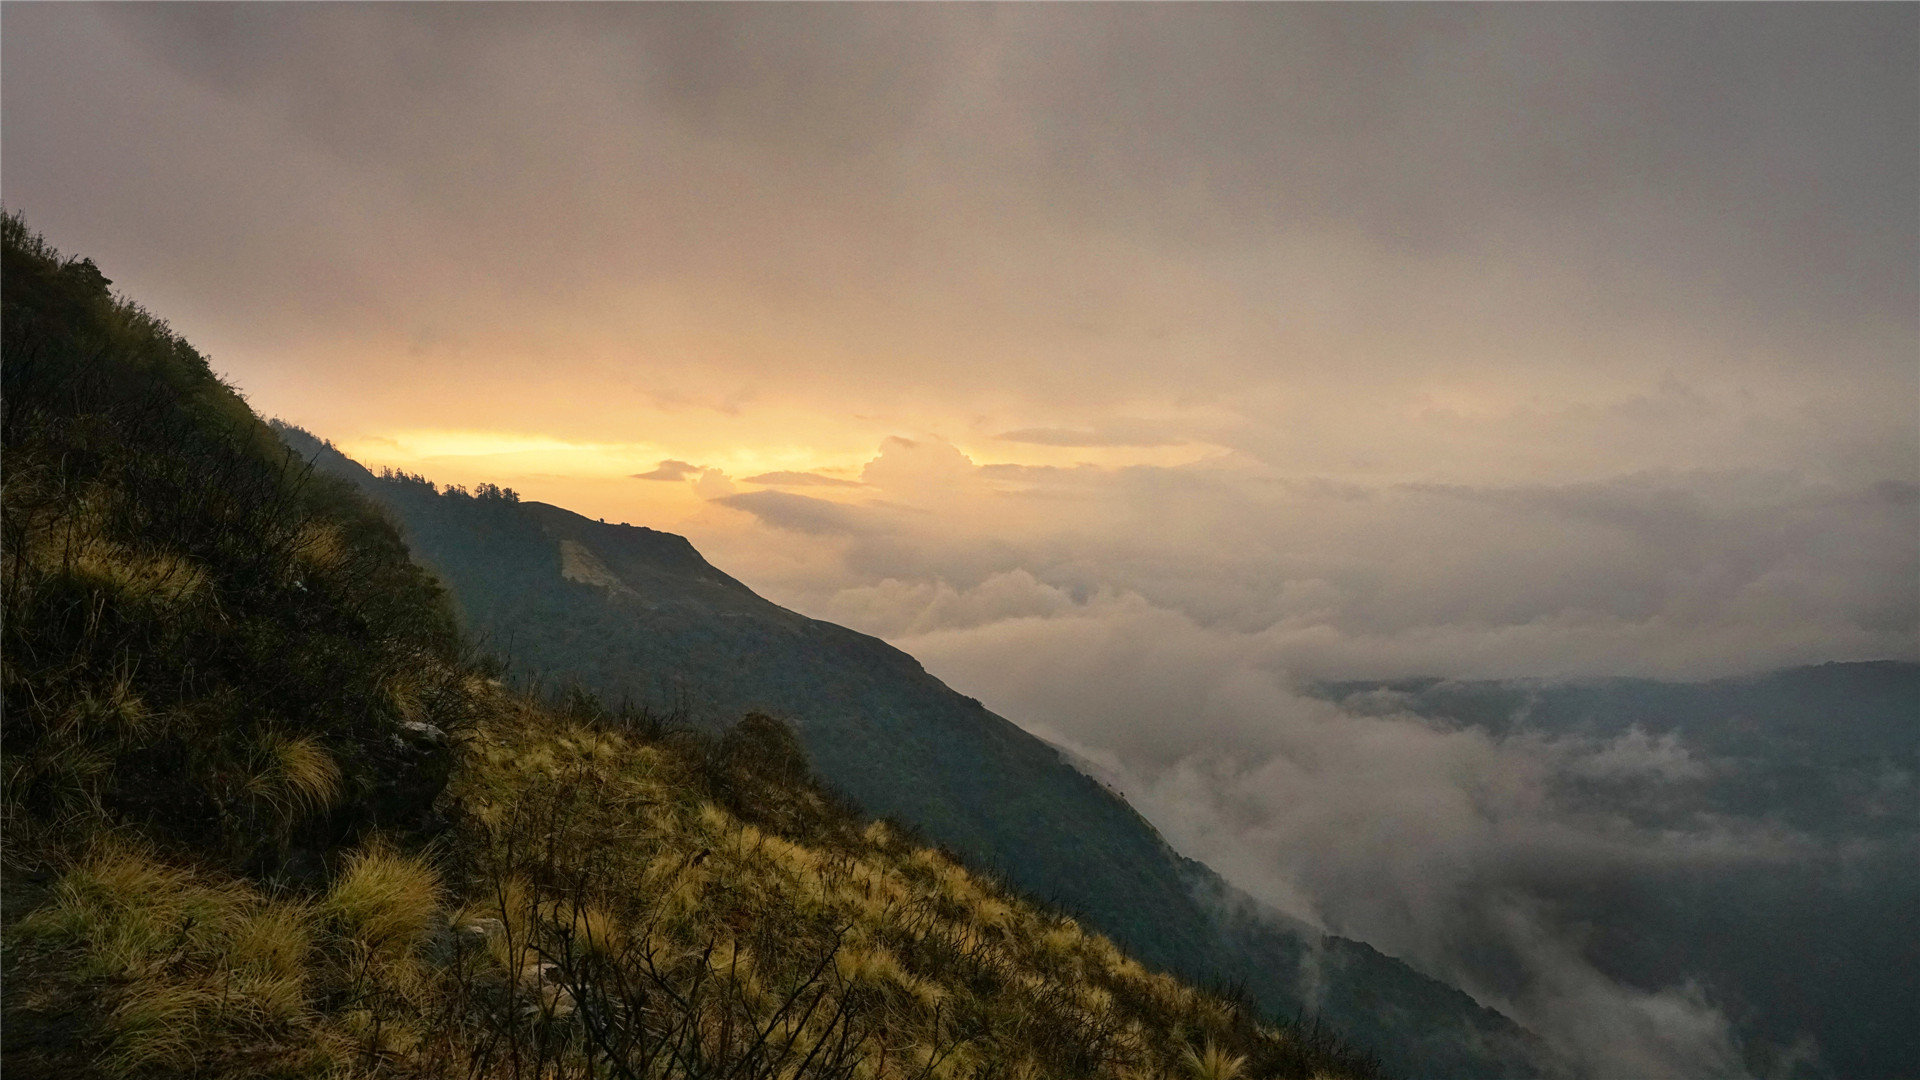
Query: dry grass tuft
(164,581)
(295,775)
(1213,1063)
(320,545)
(384,900)
(192,969)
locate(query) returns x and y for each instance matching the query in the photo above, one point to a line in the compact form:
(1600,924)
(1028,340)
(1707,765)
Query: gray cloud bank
(1672,573)
(1308,217)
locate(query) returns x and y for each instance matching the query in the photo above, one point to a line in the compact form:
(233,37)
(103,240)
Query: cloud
(1676,573)
(1450,848)
(1355,247)
(1156,621)
(920,468)
(713,485)
(1116,432)
(805,514)
(670,470)
(800,479)
(896,609)
(710,484)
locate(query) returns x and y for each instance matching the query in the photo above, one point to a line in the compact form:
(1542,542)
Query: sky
(1130,366)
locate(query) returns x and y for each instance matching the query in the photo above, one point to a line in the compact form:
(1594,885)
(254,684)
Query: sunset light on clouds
(1131,366)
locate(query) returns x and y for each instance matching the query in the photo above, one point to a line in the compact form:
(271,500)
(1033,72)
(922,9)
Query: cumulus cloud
(897,609)
(921,469)
(805,514)
(713,484)
(709,483)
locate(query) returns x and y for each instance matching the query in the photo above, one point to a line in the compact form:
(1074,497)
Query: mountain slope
(637,614)
(265,817)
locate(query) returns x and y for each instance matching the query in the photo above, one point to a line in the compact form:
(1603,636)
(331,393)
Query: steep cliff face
(638,614)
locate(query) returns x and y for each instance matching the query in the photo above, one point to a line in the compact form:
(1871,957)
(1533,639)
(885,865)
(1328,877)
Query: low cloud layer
(1159,623)
(1445,848)
(800,479)
(1679,573)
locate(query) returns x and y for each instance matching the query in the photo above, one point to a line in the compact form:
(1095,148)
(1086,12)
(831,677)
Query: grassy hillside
(263,816)
(637,614)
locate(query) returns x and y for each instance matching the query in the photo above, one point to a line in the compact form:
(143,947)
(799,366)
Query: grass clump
(383,900)
(296,775)
(184,972)
(1213,1063)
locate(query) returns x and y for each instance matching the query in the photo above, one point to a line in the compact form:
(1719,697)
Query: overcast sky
(1123,363)
(1523,340)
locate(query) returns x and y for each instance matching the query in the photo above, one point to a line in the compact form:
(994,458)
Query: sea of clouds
(1166,626)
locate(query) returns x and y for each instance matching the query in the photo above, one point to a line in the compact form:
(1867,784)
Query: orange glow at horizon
(608,479)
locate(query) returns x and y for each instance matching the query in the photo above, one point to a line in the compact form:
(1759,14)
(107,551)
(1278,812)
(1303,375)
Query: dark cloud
(671,470)
(1898,492)
(1069,204)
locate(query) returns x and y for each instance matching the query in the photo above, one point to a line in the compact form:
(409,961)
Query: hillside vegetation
(265,816)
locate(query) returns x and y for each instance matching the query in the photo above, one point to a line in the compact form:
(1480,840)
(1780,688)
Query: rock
(488,928)
(539,973)
(551,999)
(551,1002)
(411,769)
